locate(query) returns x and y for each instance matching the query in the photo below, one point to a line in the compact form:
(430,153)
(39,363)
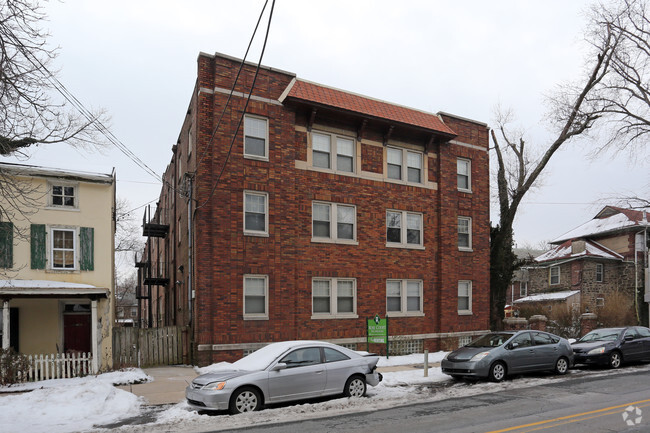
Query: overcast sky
(137,60)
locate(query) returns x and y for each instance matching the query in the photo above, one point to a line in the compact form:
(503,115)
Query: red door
(76,333)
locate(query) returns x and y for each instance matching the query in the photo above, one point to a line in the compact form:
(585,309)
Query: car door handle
(531,350)
(319,372)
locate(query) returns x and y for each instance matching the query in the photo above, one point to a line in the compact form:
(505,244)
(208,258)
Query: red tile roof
(316,93)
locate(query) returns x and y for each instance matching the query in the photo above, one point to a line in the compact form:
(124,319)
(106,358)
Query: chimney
(577,247)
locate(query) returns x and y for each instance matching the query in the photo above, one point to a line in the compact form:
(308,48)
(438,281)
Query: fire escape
(152,265)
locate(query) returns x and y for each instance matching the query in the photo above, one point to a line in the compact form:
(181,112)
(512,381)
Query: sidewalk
(168,386)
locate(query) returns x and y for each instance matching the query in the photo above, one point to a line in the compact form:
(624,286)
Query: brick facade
(287,255)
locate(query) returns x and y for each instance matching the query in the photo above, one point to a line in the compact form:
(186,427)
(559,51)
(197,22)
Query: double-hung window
(554,275)
(403,297)
(464,170)
(256,143)
(404,229)
(256,295)
(64,248)
(464,297)
(464,233)
(600,272)
(64,196)
(332,222)
(256,211)
(334,297)
(333,152)
(523,289)
(396,169)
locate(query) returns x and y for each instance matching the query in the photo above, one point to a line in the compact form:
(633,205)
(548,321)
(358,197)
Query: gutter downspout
(190,268)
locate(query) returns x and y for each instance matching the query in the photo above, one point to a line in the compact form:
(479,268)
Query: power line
(81,108)
(241,118)
(232,89)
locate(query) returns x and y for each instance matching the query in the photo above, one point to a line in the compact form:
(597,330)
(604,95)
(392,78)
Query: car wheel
(355,387)
(245,400)
(615,359)
(497,371)
(561,365)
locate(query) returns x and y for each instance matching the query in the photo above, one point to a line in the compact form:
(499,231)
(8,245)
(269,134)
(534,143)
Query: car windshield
(490,340)
(262,358)
(601,335)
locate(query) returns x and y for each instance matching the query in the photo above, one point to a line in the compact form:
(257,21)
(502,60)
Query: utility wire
(232,89)
(241,118)
(81,108)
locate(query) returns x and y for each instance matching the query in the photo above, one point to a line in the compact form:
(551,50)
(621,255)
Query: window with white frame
(464,297)
(600,272)
(256,291)
(464,170)
(396,169)
(333,222)
(332,151)
(464,233)
(554,275)
(256,221)
(256,143)
(190,141)
(404,229)
(600,302)
(523,289)
(334,297)
(64,248)
(403,297)
(63,195)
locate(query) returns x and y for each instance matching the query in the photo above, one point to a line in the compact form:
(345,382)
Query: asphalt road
(615,403)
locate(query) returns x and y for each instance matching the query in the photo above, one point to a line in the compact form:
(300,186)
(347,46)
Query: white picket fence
(59,366)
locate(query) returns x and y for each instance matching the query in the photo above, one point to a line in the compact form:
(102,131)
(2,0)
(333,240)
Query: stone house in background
(605,256)
(57,263)
(297,211)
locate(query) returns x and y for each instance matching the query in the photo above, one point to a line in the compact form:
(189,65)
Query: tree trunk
(503,262)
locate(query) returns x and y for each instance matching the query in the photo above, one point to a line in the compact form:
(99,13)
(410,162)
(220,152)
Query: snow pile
(69,405)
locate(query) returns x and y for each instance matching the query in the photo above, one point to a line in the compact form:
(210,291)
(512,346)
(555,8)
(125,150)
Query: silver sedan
(286,371)
(499,354)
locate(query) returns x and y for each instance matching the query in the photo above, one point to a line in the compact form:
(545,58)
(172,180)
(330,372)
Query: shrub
(618,310)
(14,367)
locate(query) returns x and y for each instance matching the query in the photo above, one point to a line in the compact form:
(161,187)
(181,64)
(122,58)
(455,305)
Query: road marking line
(570,416)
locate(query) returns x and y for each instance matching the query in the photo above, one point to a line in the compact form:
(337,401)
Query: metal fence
(148,347)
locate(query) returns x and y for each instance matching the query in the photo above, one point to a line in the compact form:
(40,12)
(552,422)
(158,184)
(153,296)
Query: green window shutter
(87,241)
(6,245)
(38,246)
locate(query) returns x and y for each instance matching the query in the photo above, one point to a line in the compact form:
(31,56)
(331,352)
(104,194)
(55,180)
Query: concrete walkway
(169,383)
(168,386)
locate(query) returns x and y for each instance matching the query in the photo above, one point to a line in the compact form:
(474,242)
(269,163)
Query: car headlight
(214,386)
(597,351)
(479,356)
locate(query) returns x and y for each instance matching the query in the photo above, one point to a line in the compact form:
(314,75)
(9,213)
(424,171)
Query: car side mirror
(513,346)
(629,337)
(279,366)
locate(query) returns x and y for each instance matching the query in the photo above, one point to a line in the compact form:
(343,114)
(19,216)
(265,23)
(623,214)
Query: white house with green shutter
(56,262)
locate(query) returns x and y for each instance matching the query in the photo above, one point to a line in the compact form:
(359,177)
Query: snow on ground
(77,405)
(69,405)
(399,388)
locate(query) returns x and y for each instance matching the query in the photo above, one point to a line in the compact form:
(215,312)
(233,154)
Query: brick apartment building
(311,212)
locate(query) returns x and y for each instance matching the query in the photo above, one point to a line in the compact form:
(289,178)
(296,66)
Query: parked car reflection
(285,371)
(499,354)
(613,346)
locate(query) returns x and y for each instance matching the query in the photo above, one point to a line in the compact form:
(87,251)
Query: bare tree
(624,94)
(612,93)
(128,234)
(35,108)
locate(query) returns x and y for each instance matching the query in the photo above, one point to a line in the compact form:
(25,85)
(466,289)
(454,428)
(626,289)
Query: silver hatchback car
(498,354)
(286,371)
